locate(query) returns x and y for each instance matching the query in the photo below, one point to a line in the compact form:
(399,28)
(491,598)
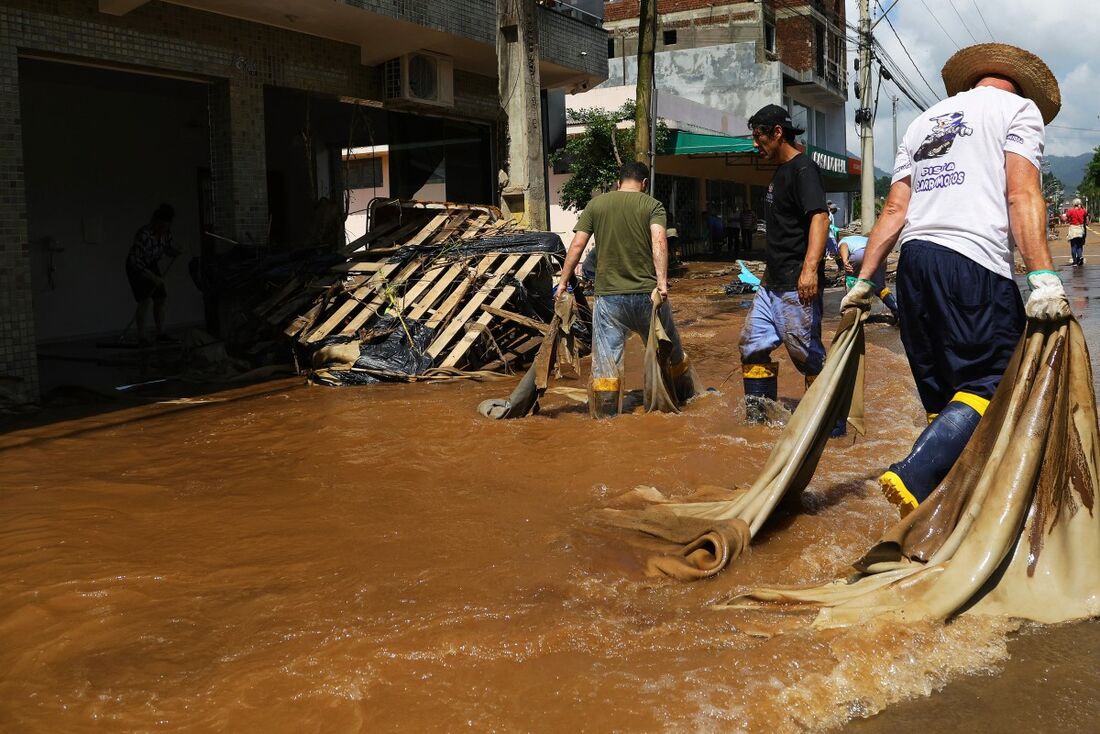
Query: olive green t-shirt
(624,251)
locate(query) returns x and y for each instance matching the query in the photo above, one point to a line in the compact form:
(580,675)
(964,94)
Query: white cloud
(1062,32)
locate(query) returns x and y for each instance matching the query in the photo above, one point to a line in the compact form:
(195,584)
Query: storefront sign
(828,161)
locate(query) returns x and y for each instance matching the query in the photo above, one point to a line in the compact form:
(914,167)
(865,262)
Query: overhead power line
(978,8)
(963,22)
(936,18)
(909,55)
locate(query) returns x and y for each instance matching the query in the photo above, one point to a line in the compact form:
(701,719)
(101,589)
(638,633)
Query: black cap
(772,115)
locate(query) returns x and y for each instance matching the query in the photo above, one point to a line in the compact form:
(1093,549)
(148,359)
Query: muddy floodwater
(282,558)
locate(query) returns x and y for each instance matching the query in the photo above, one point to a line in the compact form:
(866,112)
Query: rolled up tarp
(1014,528)
(704,537)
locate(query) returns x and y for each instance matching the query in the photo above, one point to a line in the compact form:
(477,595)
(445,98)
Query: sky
(1064,33)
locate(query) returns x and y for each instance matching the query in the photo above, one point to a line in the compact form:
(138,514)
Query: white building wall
(726,78)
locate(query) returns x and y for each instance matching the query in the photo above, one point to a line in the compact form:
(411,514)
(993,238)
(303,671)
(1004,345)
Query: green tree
(595,155)
(882,187)
(1090,186)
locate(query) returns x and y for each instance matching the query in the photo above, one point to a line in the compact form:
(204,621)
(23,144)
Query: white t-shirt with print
(955,156)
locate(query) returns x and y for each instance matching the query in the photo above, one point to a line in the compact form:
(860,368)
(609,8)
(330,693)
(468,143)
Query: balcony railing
(586,11)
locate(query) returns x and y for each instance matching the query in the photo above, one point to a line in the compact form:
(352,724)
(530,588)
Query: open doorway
(102,150)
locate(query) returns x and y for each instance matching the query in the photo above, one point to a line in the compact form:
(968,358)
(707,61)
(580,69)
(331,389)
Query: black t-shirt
(794,196)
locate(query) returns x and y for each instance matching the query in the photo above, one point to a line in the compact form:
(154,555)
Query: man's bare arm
(808,287)
(659,243)
(572,257)
(884,237)
(1027,212)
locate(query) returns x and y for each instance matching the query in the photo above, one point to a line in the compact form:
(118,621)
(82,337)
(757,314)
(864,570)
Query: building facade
(240,113)
(730,59)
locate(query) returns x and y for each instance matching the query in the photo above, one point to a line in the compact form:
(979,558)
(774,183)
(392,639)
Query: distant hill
(1070,170)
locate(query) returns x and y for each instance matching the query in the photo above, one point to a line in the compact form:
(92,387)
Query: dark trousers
(960,322)
(746,240)
(1077,249)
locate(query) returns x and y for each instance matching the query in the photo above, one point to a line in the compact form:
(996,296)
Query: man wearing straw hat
(966,190)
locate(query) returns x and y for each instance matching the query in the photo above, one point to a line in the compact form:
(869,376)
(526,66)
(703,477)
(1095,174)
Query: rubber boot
(761,384)
(840,430)
(910,481)
(682,380)
(890,302)
(605,397)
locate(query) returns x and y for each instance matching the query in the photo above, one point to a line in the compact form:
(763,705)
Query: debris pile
(463,292)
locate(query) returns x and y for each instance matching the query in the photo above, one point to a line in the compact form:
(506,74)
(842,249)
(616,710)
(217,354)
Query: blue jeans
(613,319)
(855,259)
(777,317)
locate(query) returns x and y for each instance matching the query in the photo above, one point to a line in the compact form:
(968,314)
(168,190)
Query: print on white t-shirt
(954,155)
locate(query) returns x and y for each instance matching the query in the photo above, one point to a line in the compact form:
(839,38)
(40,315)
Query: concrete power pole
(867,128)
(895,148)
(524,176)
(645,119)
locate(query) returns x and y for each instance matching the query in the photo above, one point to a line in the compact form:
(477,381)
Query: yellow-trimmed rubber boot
(893,488)
(606,397)
(761,384)
(911,480)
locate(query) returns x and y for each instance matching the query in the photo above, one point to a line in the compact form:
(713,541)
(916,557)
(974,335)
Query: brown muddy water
(291,559)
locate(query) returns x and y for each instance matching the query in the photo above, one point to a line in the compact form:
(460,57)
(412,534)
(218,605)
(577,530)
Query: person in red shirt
(1076,218)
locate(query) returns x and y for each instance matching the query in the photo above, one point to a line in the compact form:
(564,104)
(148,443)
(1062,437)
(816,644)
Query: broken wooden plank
(428,230)
(366,240)
(353,266)
(517,318)
(469,338)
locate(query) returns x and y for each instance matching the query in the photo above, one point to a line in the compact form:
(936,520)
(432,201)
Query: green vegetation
(595,155)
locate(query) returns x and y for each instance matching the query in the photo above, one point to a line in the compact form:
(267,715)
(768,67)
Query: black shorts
(143,285)
(960,322)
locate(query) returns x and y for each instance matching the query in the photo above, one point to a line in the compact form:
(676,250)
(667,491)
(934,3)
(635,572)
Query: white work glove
(1048,298)
(859,297)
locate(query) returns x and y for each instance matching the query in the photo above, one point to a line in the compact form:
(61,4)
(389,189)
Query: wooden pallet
(464,298)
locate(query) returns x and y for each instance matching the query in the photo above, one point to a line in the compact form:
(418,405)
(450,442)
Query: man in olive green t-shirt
(631,275)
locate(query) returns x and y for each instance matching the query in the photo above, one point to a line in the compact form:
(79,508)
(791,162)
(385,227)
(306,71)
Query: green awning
(684,143)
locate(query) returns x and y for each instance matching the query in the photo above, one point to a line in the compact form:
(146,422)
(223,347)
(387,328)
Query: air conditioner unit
(421,77)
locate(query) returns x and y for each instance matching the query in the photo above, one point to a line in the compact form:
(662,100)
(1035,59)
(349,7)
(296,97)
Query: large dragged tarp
(660,392)
(524,400)
(1014,528)
(572,328)
(704,537)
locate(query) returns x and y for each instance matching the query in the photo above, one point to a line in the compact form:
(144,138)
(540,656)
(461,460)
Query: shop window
(364,173)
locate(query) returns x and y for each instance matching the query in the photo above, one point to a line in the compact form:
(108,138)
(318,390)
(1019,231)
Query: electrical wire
(910,56)
(963,22)
(936,18)
(978,8)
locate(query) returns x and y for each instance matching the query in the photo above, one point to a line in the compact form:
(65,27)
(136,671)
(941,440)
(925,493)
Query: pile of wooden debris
(440,290)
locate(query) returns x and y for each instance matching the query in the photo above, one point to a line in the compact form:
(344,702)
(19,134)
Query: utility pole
(866,120)
(523,195)
(645,119)
(895,148)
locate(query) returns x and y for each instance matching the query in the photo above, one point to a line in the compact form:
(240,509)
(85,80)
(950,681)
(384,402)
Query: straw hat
(1031,75)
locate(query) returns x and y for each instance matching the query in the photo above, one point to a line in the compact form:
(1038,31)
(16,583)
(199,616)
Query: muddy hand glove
(860,296)
(1048,298)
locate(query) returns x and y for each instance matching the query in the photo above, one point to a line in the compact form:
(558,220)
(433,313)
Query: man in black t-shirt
(787,308)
